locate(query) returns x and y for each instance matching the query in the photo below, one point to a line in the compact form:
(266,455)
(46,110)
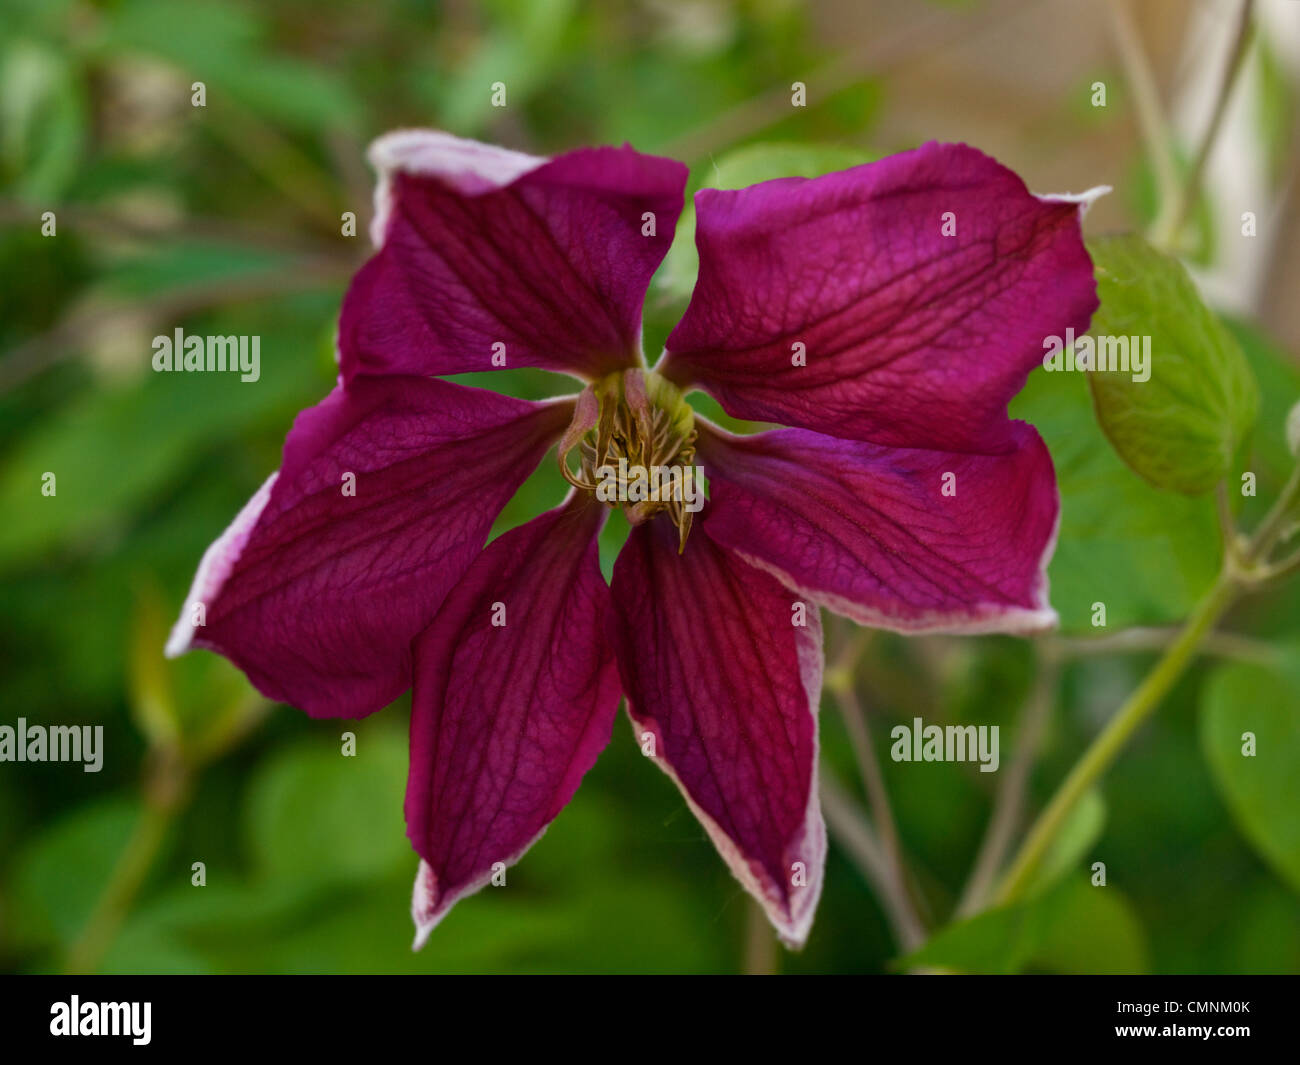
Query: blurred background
(227,218)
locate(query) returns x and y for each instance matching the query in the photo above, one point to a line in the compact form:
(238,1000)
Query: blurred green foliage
(226,219)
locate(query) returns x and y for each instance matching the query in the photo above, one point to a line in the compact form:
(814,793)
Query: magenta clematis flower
(887,313)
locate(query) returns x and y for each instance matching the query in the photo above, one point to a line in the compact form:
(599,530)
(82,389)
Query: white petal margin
(470,167)
(1084,199)
(981,619)
(808,845)
(218,560)
(428,910)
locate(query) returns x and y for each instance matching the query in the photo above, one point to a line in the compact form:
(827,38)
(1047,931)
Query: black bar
(682,1016)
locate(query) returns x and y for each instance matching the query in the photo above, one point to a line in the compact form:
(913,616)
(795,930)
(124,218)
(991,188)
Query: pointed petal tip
(751,781)
(791,917)
(1084,199)
(424,905)
(469,166)
(179,641)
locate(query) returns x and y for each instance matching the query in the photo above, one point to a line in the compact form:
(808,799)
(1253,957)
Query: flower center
(634,434)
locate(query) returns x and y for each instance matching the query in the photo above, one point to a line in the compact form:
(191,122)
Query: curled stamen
(634,435)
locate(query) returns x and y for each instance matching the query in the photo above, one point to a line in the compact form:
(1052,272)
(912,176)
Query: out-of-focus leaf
(42,121)
(60,875)
(1094,931)
(187,262)
(318,815)
(224,46)
(998,941)
(522,45)
(154,430)
(139,949)
(191,34)
(1181,428)
(1262,789)
(1147,555)
(1264,922)
(1074,928)
(297,94)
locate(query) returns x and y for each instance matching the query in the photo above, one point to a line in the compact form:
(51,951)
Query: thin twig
(1156,638)
(864,753)
(1174,213)
(1227,523)
(850,829)
(1009,803)
(1146,97)
(1279,570)
(840,681)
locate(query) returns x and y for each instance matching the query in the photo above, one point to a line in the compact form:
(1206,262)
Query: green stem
(1104,749)
(1243,569)
(1270,529)
(129,874)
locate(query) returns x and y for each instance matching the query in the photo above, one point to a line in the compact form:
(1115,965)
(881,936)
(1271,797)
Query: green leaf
(1147,555)
(1095,932)
(736,170)
(60,876)
(1181,428)
(314,813)
(1074,928)
(42,121)
(1262,790)
(97,485)
(999,941)
(227,47)
(522,49)
(292,92)
(194,35)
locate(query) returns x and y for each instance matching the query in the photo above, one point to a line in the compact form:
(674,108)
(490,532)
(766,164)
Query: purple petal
(726,685)
(506,717)
(315,593)
(480,246)
(910,337)
(869,532)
